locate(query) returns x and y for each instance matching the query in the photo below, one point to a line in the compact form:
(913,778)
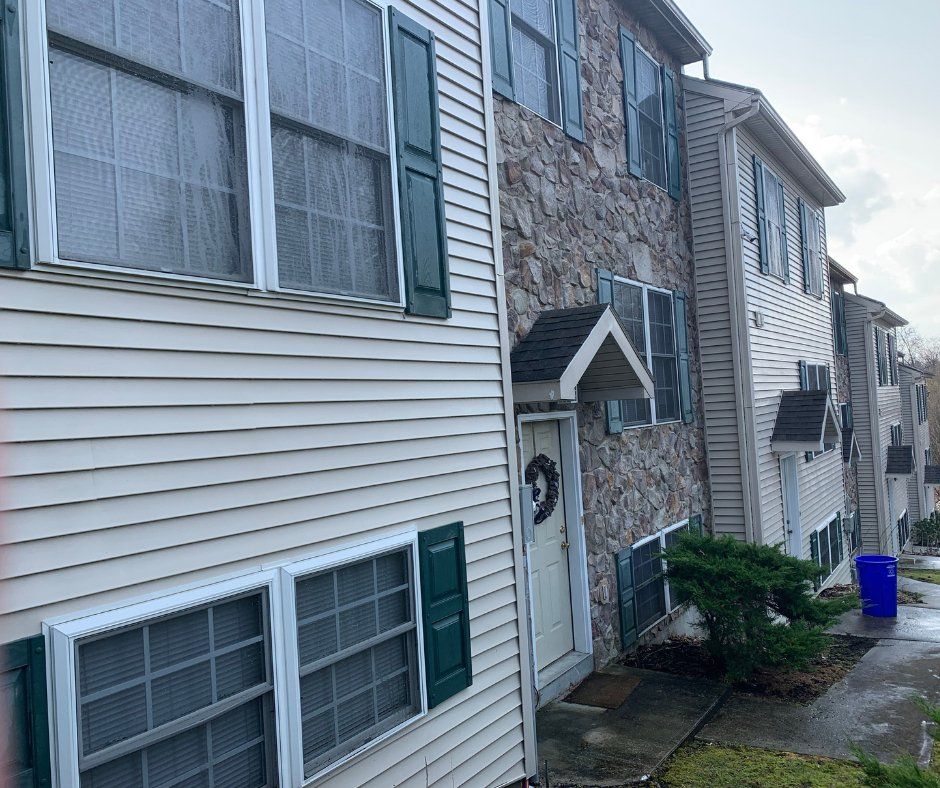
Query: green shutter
(673,162)
(631,108)
(697,525)
(785,252)
(814,552)
(14,216)
(445,612)
(804,242)
(23,710)
(878,356)
(682,355)
(625,594)
(569,68)
(501,48)
(804,376)
(605,295)
(420,180)
(838,323)
(761,215)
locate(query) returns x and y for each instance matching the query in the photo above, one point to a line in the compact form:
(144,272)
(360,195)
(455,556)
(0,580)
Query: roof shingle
(900,461)
(801,417)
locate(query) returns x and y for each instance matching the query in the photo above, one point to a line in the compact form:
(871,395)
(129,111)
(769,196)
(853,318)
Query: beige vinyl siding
(797,326)
(164,434)
(705,116)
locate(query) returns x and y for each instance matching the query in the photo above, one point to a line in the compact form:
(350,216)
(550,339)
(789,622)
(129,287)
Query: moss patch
(924,575)
(718,766)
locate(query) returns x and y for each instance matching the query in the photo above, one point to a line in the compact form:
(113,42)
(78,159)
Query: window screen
(649,583)
(774,212)
(356,634)
(148,133)
(330,146)
(181,700)
(650,103)
(663,350)
(534,57)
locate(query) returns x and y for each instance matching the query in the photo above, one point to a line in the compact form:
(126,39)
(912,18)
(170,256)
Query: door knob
(565,545)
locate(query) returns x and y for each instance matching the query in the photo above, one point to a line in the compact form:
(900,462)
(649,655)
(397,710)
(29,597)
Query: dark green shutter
(569,68)
(814,552)
(804,242)
(682,356)
(697,525)
(804,376)
(420,180)
(783,232)
(838,323)
(673,162)
(14,216)
(24,713)
(631,108)
(878,356)
(501,48)
(625,594)
(605,295)
(444,612)
(761,215)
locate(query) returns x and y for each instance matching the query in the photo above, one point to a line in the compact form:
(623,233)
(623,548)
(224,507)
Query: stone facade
(844,394)
(568,208)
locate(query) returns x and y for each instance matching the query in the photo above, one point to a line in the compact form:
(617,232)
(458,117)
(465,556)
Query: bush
(905,773)
(755,603)
(926,532)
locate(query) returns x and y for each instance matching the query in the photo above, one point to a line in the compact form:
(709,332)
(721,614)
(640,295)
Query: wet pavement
(929,591)
(870,707)
(595,746)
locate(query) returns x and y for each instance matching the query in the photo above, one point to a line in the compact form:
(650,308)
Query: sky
(856,80)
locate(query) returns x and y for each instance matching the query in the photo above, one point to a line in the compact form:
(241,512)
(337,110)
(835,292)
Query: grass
(924,575)
(720,766)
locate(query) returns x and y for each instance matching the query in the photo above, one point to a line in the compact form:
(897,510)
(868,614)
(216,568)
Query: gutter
(737,307)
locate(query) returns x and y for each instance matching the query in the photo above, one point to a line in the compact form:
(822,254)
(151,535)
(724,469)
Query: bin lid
(875,559)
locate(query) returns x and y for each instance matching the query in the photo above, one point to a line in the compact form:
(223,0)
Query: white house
(258,499)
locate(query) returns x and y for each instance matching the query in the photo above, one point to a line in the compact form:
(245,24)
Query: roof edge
(674,15)
(841,271)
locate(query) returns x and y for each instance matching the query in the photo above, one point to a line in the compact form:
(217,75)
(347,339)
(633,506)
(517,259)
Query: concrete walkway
(929,591)
(593,746)
(870,707)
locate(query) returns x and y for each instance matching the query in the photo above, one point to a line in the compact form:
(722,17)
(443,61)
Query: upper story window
(815,377)
(771,221)
(535,57)
(886,357)
(811,232)
(649,92)
(648,315)
(897,435)
(175,153)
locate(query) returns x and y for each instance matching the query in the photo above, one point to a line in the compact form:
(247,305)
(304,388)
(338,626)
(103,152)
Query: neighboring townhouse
(597,249)
(258,521)
(840,279)
(887,456)
(765,327)
(920,490)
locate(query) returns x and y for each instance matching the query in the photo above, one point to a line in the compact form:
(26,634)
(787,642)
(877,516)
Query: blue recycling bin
(878,579)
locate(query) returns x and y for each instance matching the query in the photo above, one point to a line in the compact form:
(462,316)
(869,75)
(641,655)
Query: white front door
(791,504)
(548,554)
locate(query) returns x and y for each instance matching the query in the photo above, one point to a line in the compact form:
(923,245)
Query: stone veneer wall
(845,395)
(569,208)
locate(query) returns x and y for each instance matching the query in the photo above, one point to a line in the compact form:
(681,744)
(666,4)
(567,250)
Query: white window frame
(512,66)
(277,579)
(660,536)
(778,229)
(330,561)
(824,528)
(813,215)
(658,68)
(262,230)
(649,346)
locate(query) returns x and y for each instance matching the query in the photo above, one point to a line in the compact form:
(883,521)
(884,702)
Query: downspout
(874,424)
(737,308)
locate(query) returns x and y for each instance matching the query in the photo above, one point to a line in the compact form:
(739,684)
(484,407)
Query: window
(815,377)
(653,598)
(157,118)
(772,222)
(856,536)
(897,435)
(845,412)
(357,654)
(812,250)
(826,545)
(893,378)
(881,356)
(650,103)
(535,57)
(904,530)
(838,323)
(648,316)
(182,698)
(928,456)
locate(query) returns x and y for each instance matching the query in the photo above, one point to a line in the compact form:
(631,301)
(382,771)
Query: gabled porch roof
(900,461)
(579,354)
(806,421)
(850,447)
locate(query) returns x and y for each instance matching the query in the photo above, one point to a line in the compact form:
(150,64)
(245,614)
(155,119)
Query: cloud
(851,163)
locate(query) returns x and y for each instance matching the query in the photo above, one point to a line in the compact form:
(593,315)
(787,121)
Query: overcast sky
(856,80)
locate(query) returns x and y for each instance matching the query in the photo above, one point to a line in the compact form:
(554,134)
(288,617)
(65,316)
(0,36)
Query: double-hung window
(810,226)
(904,530)
(897,435)
(284,165)
(535,57)
(881,356)
(648,315)
(816,377)
(826,545)
(653,598)
(771,221)
(649,90)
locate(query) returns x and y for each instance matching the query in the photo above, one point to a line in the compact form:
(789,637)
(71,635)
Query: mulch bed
(686,656)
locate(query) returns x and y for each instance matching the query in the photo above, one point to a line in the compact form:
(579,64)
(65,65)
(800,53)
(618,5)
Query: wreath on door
(544,465)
